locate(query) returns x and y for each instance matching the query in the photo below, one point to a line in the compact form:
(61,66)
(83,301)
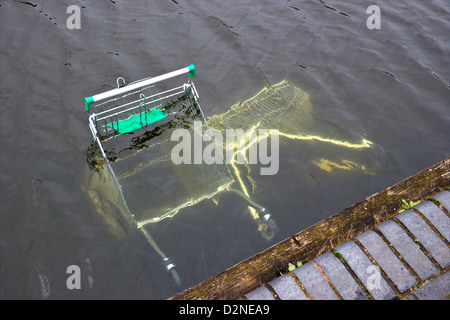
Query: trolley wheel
(267,226)
(175,276)
(171,268)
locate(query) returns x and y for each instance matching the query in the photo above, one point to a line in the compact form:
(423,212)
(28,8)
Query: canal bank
(391,245)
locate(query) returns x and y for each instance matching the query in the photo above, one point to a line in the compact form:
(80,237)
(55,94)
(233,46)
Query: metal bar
(125,104)
(96,137)
(119,91)
(134,107)
(145,112)
(140,115)
(126,95)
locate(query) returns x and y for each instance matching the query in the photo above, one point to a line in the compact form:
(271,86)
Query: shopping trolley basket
(131,126)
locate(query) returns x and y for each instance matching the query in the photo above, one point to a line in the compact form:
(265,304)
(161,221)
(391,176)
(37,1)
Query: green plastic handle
(191,70)
(87,103)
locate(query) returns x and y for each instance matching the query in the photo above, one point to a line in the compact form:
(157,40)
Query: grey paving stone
(287,288)
(444,198)
(340,277)
(363,268)
(387,260)
(261,293)
(439,289)
(408,249)
(314,283)
(430,240)
(410,297)
(436,216)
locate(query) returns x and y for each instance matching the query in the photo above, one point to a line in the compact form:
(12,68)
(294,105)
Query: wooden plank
(321,237)
(364,215)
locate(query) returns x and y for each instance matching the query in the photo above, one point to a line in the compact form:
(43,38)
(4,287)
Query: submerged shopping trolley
(132,128)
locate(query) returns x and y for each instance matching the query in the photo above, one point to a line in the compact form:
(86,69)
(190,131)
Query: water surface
(390,86)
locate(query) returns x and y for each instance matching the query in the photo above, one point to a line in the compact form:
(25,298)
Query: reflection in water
(168,188)
(329,165)
(287,108)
